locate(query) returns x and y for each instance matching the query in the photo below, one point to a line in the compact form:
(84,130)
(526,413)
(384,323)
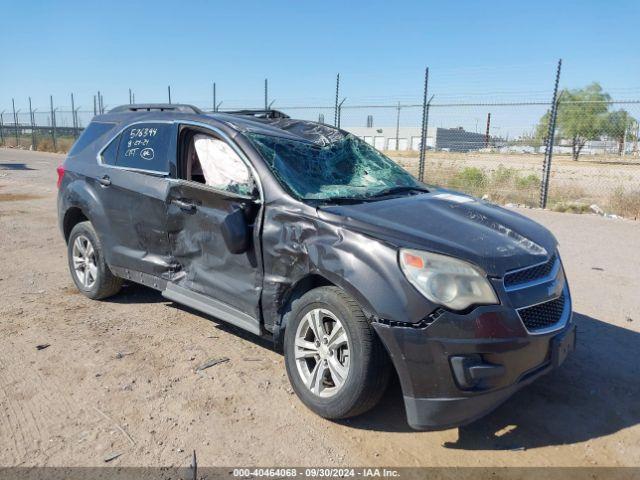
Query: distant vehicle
(303,233)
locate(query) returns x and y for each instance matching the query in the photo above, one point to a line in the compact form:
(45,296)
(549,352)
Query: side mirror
(235,232)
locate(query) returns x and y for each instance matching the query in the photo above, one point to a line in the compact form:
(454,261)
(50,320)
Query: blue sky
(496,50)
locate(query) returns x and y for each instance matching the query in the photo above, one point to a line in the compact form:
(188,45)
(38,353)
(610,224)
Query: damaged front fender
(297,244)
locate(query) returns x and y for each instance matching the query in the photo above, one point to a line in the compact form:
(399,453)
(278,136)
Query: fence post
(169,92)
(2,127)
(398,128)
(214,97)
(15,122)
(487,135)
(335,111)
(53,125)
(551,132)
(340,111)
(34,145)
(73,118)
(423,136)
(266,94)
(95,111)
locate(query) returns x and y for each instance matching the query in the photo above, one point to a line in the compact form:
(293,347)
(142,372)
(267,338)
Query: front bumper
(460,367)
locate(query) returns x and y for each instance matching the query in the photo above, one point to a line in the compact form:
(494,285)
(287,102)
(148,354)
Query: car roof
(278,125)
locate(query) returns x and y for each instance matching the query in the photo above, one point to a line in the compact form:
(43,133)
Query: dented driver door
(205,263)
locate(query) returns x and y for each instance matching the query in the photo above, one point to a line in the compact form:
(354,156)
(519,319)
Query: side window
(145,146)
(212,161)
(90,134)
(109,154)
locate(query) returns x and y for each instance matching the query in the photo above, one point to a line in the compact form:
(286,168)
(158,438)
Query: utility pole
(214,97)
(169,92)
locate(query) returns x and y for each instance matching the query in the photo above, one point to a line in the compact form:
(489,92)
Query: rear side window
(145,147)
(90,134)
(110,154)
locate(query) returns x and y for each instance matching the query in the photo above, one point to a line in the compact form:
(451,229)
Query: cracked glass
(346,167)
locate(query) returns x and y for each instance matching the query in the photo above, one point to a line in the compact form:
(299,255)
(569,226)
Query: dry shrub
(63,144)
(625,203)
(569,207)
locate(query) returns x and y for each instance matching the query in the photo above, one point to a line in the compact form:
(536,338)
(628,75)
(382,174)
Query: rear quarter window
(145,147)
(93,132)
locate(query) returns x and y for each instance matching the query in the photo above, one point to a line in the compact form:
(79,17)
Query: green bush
(530,181)
(470,180)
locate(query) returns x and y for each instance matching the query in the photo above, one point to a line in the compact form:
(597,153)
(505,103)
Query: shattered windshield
(346,168)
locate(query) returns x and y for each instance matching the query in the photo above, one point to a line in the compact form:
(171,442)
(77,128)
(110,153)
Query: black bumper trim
(444,413)
(449,412)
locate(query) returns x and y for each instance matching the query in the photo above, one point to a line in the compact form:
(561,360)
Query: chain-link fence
(581,151)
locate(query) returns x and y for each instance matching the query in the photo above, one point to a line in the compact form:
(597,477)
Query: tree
(581,116)
(618,126)
(542,129)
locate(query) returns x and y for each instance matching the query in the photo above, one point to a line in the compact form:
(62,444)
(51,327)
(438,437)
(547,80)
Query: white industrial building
(408,138)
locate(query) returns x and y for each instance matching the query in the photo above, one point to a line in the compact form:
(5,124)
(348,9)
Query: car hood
(495,239)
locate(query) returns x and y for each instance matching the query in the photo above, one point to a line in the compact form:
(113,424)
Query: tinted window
(90,134)
(145,146)
(109,154)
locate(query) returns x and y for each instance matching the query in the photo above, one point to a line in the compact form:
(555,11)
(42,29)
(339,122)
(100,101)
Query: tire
(100,283)
(363,356)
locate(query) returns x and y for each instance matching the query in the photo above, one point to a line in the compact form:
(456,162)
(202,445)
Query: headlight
(447,281)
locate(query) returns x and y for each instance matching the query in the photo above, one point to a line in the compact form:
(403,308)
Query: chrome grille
(544,315)
(530,274)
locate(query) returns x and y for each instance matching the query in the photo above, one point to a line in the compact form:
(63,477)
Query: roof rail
(270,114)
(156,107)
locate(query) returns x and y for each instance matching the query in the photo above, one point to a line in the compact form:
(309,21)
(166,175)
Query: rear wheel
(335,361)
(88,268)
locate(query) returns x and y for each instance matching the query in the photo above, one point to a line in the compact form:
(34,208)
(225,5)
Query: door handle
(186,206)
(105,181)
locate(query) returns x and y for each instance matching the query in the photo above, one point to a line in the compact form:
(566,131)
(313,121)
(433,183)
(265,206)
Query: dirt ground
(592,173)
(118,376)
(592,179)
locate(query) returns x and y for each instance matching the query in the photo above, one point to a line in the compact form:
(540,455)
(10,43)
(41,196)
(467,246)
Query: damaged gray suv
(303,233)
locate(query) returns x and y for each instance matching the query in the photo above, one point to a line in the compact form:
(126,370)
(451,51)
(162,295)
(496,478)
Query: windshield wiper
(398,189)
(344,199)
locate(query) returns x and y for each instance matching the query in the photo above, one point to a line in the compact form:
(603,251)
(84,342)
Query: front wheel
(335,361)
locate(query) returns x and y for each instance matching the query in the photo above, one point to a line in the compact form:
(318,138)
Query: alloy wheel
(322,352)
(84,262)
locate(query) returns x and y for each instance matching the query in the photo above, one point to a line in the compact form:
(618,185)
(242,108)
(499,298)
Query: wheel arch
(79,203)
(72,217)
(305,284)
